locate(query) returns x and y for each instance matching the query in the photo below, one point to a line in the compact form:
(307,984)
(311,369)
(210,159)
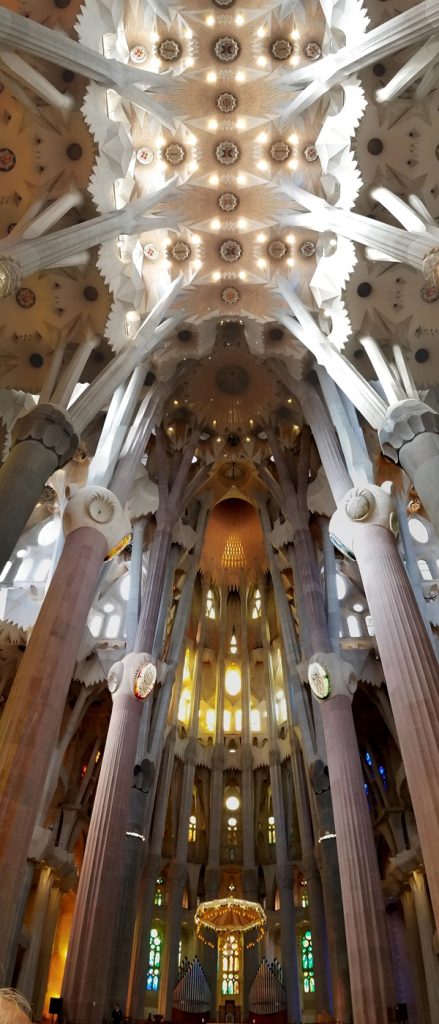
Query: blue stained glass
(382,772)
(368,759)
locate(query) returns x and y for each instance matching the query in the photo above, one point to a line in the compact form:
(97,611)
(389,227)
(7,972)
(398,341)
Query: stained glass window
(271,830)
(154,960)
(159,895)
(304,897)
(192,828)
(230,966)
(307,963)
(383,774)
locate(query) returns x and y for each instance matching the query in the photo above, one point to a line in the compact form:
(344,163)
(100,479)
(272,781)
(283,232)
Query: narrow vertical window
(154,960)
(307,963)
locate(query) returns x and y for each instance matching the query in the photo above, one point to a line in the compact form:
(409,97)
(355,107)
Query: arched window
(233,643)
(192,835)
(232,831)
(154,960)
(210,607)
(424,569)
(304,896)
(159,895)
(230,966)
(257,605)
(307,963)
(353,626)
(271,830)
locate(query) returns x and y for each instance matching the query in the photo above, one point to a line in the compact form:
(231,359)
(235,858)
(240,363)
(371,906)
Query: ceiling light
(155,37)
(190,62)
(358,608)
(294,60)
(215,224)
(261,61)
(261,237)
(291,239)
(242,223)
(242,275)
(210,20)
(262,137)
(293,139)
(188,33)
(242,179)
(292,163)
(261,31)
(193,166)
(241,123)
(211,76)
(196,239)
(232,803)
(212,124)
(239,20)
(262,264)
(216,275)
(295,34)
(262,165)
(290,262)
(214,179)
(240,76)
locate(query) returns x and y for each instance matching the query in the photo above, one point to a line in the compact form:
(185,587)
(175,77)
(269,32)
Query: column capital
(99,509)
(10,276)
(134,676)
(329,675)
(403,422)
(372,505)
(49,425)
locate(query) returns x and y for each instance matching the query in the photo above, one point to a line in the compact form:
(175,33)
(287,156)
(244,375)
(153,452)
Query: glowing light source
(211,76)
(240,76)
(214,179)
(232,803)
(233,680)
(261,237)
(215,224)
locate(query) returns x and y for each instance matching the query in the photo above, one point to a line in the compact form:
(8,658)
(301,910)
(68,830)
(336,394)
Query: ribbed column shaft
(89,956)
(360,882)
(411,671)
(31,720)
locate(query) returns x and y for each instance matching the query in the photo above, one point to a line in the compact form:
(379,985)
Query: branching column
(31,721)
(178,868)
(44,440)
(369,962)
(327,852)
(249,871)
(89,955)
(284,867)
(172,483)
(364,524)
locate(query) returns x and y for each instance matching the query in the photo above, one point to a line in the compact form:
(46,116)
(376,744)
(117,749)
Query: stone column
(284,867)
(416,958)
(364,525)
(137,995)
(320,798)
(26,978)
(178,868)
(249,871)
(369,963)
(89,956)
(94,524)
(46,950)
(424,919)
(177,880)
(43,441)
(409,436)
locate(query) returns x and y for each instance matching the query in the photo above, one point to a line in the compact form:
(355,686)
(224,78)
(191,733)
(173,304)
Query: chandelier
(230,916)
